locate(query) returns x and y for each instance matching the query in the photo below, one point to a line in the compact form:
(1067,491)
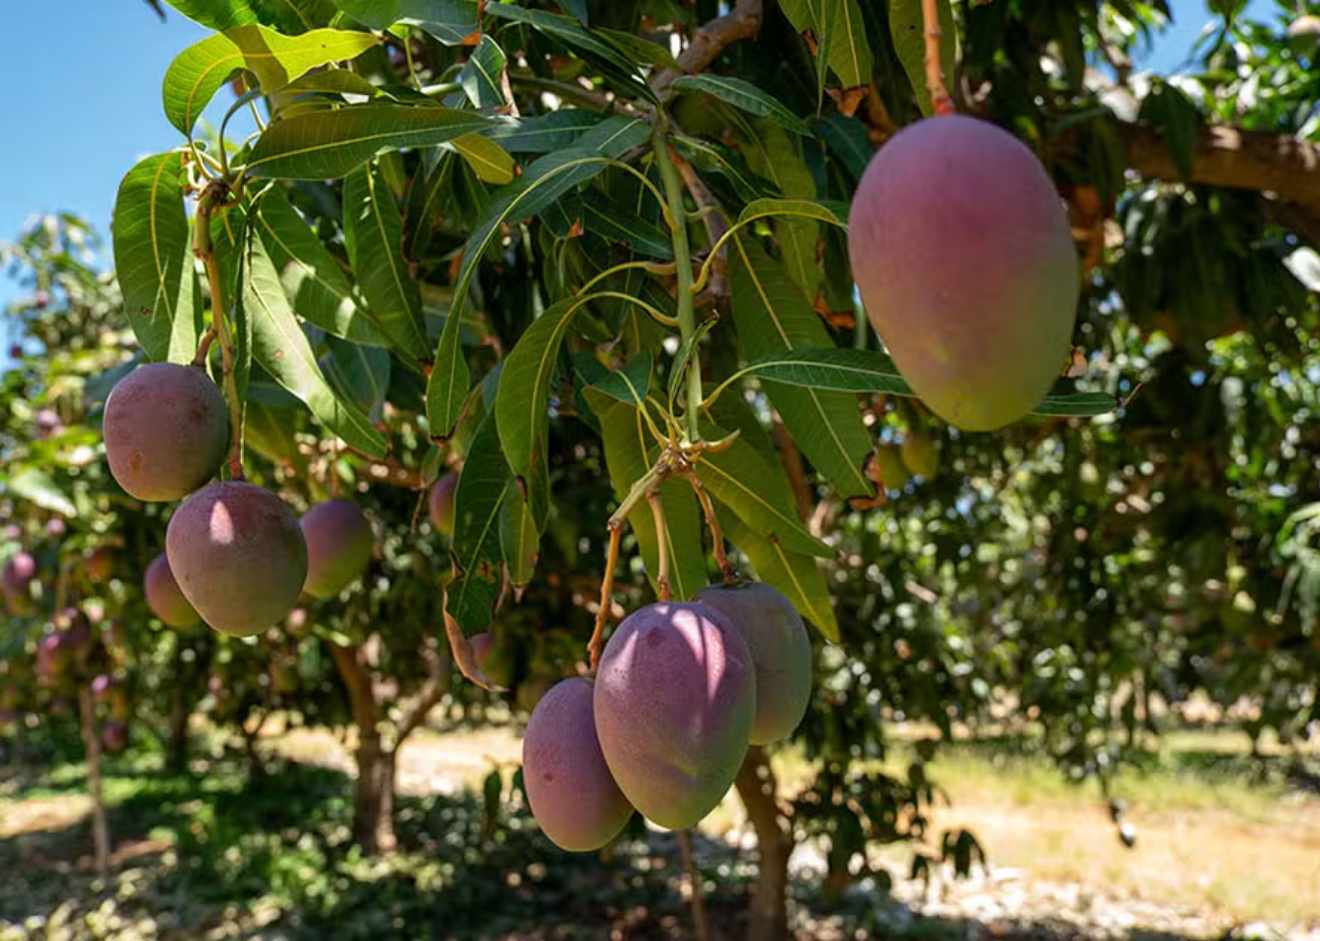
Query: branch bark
(1280,164)
(742,22)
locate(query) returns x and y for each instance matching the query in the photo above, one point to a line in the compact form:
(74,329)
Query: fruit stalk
(687,324)
(713,524)
(940,102)
(661,545)
(215,194)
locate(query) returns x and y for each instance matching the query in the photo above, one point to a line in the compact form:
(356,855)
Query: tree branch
(742,22)
(358,681)
(437,684)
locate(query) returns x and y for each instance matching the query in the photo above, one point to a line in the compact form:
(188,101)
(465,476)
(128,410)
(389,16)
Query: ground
(1226,845)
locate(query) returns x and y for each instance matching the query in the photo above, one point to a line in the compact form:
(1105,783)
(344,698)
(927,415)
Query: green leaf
(543,133)
(520,538)
(822,211)
(522,405)
(331,81)
(1076,404)
(373,235)
(772,316)
(324,145)
(229,238)
(35,485)
(360,374)
(281,348)
(153,259)
(288,16)
(480,75)
(631,384)
(197,73)
(629,454)
(312,278)
(488,160)
(608,219)
(545,181)
(639,49)
(449,21)
(847,139)
(678,369)
(1175,116)
(797,576)
(758,491)
(744,95)
(483,488)
(843,35)
(907,29)
(716,158)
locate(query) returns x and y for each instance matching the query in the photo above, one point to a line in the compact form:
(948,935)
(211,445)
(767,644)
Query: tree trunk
(92,745)
(769,908)
(373,796)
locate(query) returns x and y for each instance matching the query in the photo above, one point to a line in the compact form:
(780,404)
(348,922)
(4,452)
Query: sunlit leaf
(743,94)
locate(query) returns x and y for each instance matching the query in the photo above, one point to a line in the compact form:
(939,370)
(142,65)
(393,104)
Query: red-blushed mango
(573,797)
(166,431)
(339,545)
(164,598)
(114,736)
(441,503)
(781,653)
(675,697)
(961,249)
(238,555)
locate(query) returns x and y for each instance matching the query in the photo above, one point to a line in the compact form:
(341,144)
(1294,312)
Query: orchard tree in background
(548,245)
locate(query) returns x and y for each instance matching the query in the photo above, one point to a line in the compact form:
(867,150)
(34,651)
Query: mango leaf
(488,160)
(1176,117)
(36,486)
(197,73)
(229,238)
(373,235)
(613,62)
(422,211)
(545,181)
(520,539)
(360,374)
(840,34)
(480,75)
(798,576)
(907,28)
(758,491)
(543,133)
(282,349)
(483,488)
(772,316)
(522,405)
(324,145)
(313,279)
(578,8)
(611,220)
(744,95)
(331,81)
(686,350)
(452,22)
(639,49)
(629,454)
(1060,404)
(732,166)
(288,16)
(631,384)
(828,211)
(153,259)
(847,139)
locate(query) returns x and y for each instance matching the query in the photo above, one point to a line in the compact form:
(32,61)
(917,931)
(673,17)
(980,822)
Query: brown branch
(940,102)
(1280,164)
(357,680)
(437,684)
(742,22)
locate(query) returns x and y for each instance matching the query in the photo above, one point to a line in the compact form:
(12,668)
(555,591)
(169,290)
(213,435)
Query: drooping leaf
(315,282)
(908,31)
(488,160)
(772,316)
(841,43)
(483,488)
(360,374)
(452,22)
(1176,117)
(288,16)
(744,95)
(629,454)
(153,259)
(639,49)
(545,181)
(229,247)
(758,491)
(543,133)
(631,384)
(480,75)
(30,483)
(520,538)
(282,349)
(332,81)
(373,234)
(729,164)
(616,222)
(797,576)
(683,358)
(197,73)
(847,139)
(822,211)
(325,145)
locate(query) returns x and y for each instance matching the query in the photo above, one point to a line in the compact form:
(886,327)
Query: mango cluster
(680,693)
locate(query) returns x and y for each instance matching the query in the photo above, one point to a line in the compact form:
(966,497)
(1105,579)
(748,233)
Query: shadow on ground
(219,853)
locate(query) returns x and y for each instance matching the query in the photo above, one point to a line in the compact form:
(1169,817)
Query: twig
(661,545)
(606,589)
(204,347)
(940,102)
(217,192)
(742,22)
(716,534)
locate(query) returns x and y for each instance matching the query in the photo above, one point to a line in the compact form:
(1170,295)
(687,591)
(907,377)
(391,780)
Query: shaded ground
(216,855)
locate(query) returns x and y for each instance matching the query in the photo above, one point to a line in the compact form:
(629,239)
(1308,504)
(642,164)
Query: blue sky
(84,103)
